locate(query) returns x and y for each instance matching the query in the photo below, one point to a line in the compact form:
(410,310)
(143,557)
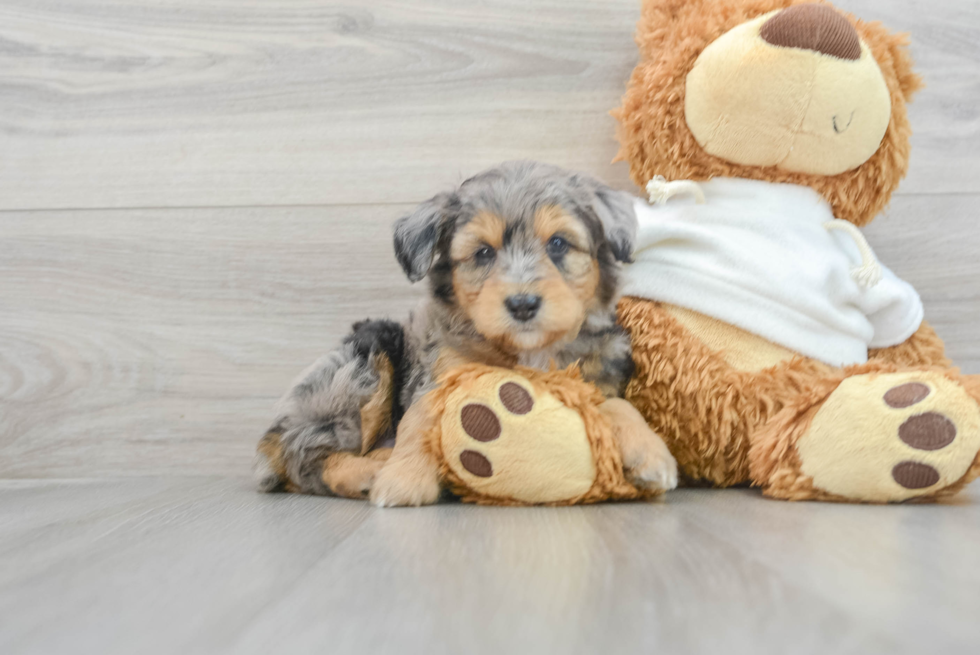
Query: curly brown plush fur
(656,140)
(729,427)
(775,463)
(703,408)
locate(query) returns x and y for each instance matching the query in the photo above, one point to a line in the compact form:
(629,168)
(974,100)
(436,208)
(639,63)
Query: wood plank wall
(195,195)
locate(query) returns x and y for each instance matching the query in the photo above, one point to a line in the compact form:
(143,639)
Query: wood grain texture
(203,566)
(156,341)
(139,341)
(121,103)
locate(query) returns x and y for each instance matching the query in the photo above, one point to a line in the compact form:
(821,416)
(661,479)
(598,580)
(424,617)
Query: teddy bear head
(791,91)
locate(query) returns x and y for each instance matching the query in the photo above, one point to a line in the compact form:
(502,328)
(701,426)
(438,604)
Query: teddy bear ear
(658,20)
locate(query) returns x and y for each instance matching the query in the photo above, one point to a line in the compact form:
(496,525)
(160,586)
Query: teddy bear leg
(874,437)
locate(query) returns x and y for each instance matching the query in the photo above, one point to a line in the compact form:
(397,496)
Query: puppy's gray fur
(320,414)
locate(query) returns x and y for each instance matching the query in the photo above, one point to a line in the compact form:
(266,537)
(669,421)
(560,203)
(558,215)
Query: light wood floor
(195,201)
(200,565)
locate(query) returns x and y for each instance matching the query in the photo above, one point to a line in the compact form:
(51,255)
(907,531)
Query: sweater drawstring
(869,273)
(661,190)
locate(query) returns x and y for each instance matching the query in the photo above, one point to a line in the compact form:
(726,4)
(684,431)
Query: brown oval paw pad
(906,395)
(480,422)
(505,437)
(913,475)
(929,431)
(476,463)
(515,398)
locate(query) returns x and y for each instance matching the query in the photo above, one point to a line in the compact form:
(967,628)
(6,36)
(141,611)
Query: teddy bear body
(825,383)
(730,415)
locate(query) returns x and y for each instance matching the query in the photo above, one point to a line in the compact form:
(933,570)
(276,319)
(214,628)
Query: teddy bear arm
(924,348)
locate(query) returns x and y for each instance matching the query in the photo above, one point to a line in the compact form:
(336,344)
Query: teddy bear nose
(813,27)
(523,307)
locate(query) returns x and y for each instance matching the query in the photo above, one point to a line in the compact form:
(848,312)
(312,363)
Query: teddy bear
(772,348)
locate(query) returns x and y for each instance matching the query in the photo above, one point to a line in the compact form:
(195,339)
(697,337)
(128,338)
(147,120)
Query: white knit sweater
(757,255)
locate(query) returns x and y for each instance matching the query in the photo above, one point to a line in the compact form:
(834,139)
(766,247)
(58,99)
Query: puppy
(523,265)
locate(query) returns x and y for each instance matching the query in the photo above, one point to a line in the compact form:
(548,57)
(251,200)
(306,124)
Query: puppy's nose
(523,307)
(813,27)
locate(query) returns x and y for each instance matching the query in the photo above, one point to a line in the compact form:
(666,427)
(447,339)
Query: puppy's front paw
(646,461)
(351,476)
(402,485)
(654,469)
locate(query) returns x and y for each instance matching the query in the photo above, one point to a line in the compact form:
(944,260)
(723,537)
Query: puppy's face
(523,252)
(525,284)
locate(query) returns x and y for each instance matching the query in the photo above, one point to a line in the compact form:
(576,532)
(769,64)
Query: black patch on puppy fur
(370,337)
(418,234)
(441,281)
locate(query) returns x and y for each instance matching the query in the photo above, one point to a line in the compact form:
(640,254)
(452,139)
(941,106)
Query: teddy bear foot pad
(891,437)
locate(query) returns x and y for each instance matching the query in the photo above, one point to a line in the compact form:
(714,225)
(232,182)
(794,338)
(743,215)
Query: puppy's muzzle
(523,307)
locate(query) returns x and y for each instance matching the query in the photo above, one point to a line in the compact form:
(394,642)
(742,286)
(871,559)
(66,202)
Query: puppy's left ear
(417,234)
(615,212)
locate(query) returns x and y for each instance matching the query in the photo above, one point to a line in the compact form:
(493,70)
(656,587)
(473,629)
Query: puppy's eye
(557,247)
(484,255)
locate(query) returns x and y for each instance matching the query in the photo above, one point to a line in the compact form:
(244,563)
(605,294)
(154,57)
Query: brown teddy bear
(771,346)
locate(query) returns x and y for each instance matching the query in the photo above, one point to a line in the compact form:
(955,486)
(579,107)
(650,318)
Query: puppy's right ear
(417,234)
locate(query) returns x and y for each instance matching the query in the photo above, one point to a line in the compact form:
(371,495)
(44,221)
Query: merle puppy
(523,263)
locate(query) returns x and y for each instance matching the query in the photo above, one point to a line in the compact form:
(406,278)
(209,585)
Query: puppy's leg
(352,476)
(341,404)
(411,475)
(647,462)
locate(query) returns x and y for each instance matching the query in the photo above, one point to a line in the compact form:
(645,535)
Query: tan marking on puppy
(586,284)
(485,229)
(492,320)
(380,454)
(270,447)
(553,219)
(470,278)
(376,413)
(350,475)
(562,308)
(410,477)
(450,358)
(567,294)
(646,460)
(591,366)
(580,271)
(482,296)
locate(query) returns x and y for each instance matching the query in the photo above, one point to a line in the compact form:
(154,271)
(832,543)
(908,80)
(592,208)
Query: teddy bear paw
(893,437)
(507,440)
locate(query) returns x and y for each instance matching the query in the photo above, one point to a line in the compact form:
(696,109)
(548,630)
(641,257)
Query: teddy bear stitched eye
(557,247)
(484,255)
